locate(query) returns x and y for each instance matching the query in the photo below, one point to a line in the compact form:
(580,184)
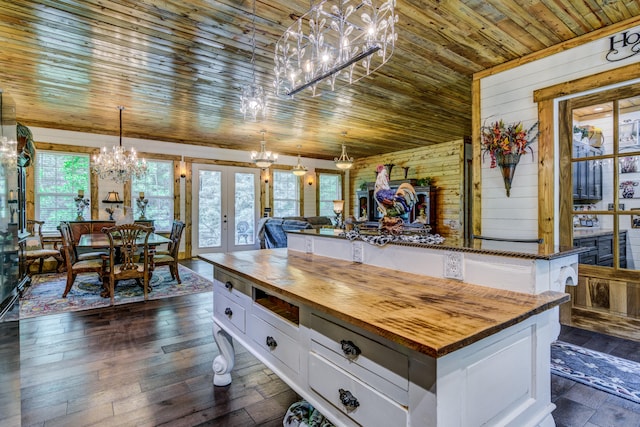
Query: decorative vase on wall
(507,164)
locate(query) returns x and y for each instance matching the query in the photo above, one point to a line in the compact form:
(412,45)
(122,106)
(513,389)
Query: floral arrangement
(500,138)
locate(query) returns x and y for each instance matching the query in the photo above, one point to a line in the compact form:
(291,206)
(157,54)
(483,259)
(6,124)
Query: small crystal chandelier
(8,153)
(299,169)
(264,158)
(343,162)
(337,42)
(118,165)
(253,102)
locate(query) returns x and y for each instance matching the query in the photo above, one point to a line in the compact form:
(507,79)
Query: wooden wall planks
(442,162)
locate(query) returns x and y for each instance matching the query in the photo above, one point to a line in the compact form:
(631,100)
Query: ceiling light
(253,102)
(118,165)
(299,169)
(344,161)
(334,43)
(264,158)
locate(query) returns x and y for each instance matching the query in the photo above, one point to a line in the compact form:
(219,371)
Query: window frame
(298,191)
(48,227)
(565,117)
(148,194)
(319,174)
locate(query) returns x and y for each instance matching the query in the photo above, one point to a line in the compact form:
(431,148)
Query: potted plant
(505,143)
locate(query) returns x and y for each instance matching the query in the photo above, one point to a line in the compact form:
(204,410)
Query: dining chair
(170,256)
(79,229)
(35,250)
(73,264)
(124,241)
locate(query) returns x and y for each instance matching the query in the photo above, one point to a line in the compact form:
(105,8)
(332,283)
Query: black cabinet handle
(348,400)
(271,343)
(228,285)
(228,312)
(350,350)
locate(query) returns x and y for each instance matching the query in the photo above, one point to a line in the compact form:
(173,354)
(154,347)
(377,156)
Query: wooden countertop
(431,315)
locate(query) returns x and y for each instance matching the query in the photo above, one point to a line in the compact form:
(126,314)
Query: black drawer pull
(228,312)
(228,285)
(350,350)
(348,400)
(271,343)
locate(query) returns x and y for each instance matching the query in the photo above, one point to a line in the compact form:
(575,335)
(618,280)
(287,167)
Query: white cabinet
(359,375)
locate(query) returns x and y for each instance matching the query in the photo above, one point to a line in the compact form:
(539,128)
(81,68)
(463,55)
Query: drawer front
(232,282)
(373,409)
(285,349)
(376,363)
(228,311)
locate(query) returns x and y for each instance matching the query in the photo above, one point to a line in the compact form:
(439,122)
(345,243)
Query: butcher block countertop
(430,315)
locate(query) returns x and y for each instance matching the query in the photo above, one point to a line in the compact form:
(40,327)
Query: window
(605,177)
(157,186)
(286,194)
(329,189)
(58,177)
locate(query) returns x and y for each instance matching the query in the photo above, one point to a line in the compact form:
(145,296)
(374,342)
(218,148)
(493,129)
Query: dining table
(101,241)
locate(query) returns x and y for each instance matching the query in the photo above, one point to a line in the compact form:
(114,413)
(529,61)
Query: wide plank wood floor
(144,364)
(149,364)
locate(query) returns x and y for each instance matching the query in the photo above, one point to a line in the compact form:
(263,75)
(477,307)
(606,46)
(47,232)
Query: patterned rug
(611,374)
(44,296)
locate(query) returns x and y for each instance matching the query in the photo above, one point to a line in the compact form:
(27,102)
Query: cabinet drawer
(605,245)
(374,409)
(286,349)
(382,367)
(228,310)
(232,282)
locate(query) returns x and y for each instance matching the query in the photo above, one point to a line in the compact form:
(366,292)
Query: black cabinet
(13,276)
(586,174)
(601,249)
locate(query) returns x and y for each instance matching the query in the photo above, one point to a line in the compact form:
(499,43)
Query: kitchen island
(374,346)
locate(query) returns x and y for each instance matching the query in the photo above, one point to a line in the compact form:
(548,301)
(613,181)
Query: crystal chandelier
(118,165)
(299,169)
(343,162)
(264,158)
(8,153)
(339,41)
(253,102)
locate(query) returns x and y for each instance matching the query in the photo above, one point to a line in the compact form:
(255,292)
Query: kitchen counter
(368,345)
(413,310)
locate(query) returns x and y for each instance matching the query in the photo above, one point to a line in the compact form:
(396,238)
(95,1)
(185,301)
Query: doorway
(226,208)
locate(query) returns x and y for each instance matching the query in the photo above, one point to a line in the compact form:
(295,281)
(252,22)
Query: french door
(226,208)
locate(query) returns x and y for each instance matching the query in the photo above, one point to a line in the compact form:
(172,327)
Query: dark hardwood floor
(149,364)
(145,364)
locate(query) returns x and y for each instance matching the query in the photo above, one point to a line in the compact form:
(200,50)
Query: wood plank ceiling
(178,67)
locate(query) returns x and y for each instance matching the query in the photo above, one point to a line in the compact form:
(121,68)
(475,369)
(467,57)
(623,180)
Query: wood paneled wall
(442,162)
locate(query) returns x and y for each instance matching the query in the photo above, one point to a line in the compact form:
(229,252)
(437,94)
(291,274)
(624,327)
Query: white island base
(425,352)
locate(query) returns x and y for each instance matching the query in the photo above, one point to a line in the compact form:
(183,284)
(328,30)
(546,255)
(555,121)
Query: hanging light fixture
(264,158)
(343,162)
(253,102)
(335,42)
(118,165)
(299,169)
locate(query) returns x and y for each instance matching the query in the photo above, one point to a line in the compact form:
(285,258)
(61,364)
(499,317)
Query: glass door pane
(209,209)
(245,209)
(225,211)
(629,182)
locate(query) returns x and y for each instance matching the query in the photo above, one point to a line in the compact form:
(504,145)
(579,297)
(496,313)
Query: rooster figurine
(392,204)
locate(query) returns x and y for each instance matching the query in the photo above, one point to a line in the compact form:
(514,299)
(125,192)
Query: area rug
(44,296)
(611,374)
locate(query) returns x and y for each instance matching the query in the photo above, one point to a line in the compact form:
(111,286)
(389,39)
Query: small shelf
(278,306)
